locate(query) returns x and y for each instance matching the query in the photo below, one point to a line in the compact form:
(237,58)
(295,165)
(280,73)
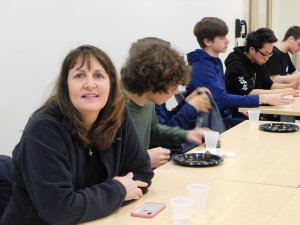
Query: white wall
(37,34)
(285,15)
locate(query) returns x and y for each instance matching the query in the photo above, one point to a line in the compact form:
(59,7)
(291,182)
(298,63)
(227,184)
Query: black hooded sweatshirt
(242,76)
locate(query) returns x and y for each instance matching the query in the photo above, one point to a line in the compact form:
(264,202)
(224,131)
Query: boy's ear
(291,38)
(207,42)
(252,50)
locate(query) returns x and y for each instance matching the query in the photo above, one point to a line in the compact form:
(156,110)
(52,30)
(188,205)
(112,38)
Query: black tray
(198,159)
(279,127)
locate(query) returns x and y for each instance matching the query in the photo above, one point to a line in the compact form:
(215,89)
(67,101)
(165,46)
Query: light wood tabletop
(261,157)
(258,186)
(289,214)
(288,112)
(235,203)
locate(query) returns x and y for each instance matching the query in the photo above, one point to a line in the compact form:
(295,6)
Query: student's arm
(287,78)
(293,85)
(136,158)
(163,135)
(238,80)
(205,75)
(185,113)
(270,87)
(279,74)
(182,117)
(287,91)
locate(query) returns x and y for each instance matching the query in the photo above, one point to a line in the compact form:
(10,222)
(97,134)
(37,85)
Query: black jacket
(242,76)
(49,172)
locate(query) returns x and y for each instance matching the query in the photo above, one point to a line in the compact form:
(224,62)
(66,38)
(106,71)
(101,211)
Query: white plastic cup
(211,140)
(181,209)
(199,193)
(253,115)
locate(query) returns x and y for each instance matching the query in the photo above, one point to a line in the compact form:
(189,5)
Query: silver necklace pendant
(90,152)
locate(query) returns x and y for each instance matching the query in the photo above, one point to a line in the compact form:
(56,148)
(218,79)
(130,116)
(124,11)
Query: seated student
(280,64)
(79,157)
(185,114)
(207,70)
(151,75)
(246,72)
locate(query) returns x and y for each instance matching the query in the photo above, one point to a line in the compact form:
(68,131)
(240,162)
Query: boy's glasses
(266,56)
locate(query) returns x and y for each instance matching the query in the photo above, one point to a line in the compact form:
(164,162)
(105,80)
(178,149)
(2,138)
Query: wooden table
(287,113)
(290,212)
(234,203)
(261,157)
(257,187)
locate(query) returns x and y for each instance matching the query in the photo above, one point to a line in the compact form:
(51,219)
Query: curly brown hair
(109,120)
(153,65)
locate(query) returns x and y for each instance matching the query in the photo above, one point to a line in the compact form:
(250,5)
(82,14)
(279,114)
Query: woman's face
(88,88)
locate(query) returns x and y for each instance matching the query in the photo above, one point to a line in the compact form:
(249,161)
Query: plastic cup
(211,140)
(198,192)
(253,115)
(181,209)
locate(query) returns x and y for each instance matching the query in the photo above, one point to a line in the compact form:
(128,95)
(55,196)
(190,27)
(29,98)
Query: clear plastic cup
(199,193)
(181,209)
(211,140)
(253,115)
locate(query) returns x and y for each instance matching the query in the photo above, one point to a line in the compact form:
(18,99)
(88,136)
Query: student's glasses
(266,56)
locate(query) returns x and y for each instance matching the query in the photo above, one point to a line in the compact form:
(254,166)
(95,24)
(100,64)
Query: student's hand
(294,85)
(196,135)
(133,187)
(288,91)
(274,99)
(199,101)
(198,91)
(158,156)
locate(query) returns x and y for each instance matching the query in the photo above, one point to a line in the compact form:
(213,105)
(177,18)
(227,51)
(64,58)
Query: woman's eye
(79,76)
(99,76)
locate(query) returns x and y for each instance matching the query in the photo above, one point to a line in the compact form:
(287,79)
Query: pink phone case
(148,209)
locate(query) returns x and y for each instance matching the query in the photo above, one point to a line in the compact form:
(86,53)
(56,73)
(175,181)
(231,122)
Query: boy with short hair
(207,70)
(280,65)
(246,73)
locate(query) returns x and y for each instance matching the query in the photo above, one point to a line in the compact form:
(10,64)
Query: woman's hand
(133,187)
(158,156)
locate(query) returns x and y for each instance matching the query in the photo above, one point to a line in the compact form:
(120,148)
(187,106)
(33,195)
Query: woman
(79,157)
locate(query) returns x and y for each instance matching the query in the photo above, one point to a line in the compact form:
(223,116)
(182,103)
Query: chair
(6,181)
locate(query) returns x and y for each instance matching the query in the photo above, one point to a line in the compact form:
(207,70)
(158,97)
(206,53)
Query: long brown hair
(109,120)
